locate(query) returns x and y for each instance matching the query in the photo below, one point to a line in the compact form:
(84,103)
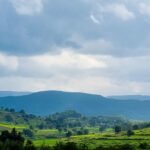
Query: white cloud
(28,7)
(71,71)
(94,19)
(120,11)
(50,65)
(136,87)
(47,65)
(88,84)
(144,8)
(69,60)
(8,62)
(22,84)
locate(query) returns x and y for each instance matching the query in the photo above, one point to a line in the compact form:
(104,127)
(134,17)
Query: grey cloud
(59,21)
(21,34)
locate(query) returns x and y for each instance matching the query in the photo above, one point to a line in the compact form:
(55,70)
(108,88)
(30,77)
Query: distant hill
(48,102)
(12,93)
(67,119)
(131,97)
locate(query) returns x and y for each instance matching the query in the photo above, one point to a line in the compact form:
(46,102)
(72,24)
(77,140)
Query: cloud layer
(37,26)
(93,46)
(76,72)
(24,7)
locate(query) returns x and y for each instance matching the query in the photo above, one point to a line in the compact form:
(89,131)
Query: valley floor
(141,138)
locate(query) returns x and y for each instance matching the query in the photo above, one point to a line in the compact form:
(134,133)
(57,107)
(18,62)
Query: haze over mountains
(48,102)
(12,93)
(131,97)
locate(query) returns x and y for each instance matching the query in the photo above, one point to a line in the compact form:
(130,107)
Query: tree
(143,145)
(60,130)
(8,118)
(127,147)
(31,127)
(130,133)
(135,127)
(79,132)
(28,132)
(4,136)
(83,147)
(69,134)
(29,145)
(66,146)
(102,128)
(85,131)
(41,126)
(11,140)
(22,111)
(11,136)
(117,129)
(12,110)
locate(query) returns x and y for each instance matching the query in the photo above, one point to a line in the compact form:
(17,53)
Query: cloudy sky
(95,46)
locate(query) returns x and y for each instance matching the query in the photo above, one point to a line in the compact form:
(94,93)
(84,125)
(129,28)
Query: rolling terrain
(135,135)
(48,102)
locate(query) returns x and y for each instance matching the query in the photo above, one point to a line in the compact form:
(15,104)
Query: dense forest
(67,119)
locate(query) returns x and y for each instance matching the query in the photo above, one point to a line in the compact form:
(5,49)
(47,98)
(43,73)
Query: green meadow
(71,127)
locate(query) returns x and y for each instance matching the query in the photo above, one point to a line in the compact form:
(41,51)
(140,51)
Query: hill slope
(48,102)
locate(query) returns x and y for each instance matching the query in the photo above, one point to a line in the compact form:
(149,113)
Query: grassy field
(50,137)
(7,126)
(50,142)
(105,139)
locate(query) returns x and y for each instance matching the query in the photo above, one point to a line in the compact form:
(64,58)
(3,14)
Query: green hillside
(61,120)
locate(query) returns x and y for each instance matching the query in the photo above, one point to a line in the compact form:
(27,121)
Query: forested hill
(65,119)
(48,102)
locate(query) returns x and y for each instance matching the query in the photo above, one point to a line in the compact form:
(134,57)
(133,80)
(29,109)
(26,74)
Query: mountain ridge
(48,102)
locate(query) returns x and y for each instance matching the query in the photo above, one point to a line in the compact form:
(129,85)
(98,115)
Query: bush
(11,140)
(28,132)
(130,133)
(127,147)
(69,134)
(117,129)
(66,146)
(29,146)
(143,145)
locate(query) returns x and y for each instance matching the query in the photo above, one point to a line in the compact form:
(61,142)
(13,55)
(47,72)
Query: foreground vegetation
(13,140)
(71,131)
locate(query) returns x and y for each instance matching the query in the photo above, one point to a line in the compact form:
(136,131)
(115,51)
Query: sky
(92,46)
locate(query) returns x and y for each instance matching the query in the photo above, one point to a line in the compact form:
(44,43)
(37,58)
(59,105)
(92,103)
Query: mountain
(48,102)
(131,97)
(12,93)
